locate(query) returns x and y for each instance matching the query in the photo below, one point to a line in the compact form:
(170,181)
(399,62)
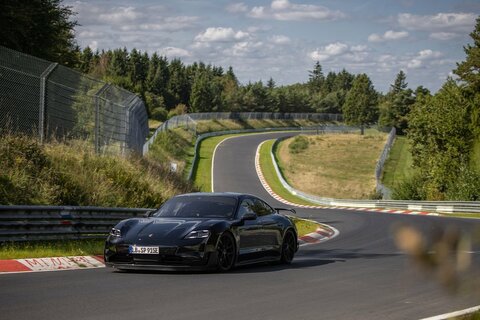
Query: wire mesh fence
(46,100)
(188,121)
(380,187)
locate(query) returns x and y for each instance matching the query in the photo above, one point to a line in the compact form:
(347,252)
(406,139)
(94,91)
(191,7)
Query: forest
(443,128)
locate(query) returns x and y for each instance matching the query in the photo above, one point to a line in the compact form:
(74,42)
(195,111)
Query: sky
(283,39)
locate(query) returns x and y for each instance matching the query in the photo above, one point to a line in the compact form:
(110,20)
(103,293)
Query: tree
(441,137)
(43,28)
(469,73)
(360,108)
(397,104)
(316,77)
(469,70)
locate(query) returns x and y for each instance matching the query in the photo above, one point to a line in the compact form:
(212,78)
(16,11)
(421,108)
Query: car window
(198,207)
(261,208)
(245,207)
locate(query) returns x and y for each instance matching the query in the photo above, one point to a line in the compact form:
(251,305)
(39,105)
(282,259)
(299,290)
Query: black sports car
(203,231)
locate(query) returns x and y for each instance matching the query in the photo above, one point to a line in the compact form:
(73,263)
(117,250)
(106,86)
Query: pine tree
(469,70)
(43,28)
(316,77)
(360,108)
(397,105)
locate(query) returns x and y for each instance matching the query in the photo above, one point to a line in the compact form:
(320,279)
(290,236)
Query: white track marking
(454,314)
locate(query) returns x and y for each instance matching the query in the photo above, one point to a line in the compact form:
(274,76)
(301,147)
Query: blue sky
(282,39)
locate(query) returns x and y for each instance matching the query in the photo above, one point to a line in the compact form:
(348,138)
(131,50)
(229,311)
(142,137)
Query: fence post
(97,116)
(43,100)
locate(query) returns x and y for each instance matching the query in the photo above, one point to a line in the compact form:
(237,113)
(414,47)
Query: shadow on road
(344,254)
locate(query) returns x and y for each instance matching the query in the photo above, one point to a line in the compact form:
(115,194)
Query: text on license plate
(143,250)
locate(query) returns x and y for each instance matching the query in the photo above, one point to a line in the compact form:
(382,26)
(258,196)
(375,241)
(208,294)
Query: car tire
(289,244)
(226,253)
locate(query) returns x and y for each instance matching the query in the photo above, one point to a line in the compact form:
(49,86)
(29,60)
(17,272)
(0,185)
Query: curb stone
(280,199)
(51,264)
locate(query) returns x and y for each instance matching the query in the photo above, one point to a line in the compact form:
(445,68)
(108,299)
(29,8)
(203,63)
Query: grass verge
(304,226)
(398,166)
(271,176)
(462,215)
(43,249)
(202,176)
(340,166)
(70,173)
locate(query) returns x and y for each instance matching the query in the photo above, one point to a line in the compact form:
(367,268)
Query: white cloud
(93,45)
(237,7)
(443,36)
(286,11)
(221,35)
(244,48)
(429,54)
(173,52)
(388,35)
(279,39)
(423,57)
(331,51)
(458,22)
(280,4)
(120,15)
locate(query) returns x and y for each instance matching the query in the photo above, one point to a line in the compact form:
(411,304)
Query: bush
(299,144)
(61,174)
(160,114)
(466,187)
(410,189)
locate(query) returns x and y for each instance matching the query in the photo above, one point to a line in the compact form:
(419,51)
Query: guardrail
(464,207)
(31,223)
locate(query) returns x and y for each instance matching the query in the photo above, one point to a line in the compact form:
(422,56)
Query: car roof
(216,194)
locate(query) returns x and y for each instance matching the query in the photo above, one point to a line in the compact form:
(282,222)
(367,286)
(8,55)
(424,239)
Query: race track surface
(360,274)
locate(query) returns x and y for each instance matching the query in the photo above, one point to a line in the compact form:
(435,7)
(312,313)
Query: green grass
(398,166)
(43,249)
(462,215)
(202,175)
(271,176)
(71,173)
(337,166)
(304,226)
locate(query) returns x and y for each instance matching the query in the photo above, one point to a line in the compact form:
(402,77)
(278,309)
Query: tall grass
(69,173)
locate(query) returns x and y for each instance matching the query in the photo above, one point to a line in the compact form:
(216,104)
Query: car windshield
(198,207)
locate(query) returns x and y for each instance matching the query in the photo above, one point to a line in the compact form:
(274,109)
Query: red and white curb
(322,234)
(278,198)
(51,264)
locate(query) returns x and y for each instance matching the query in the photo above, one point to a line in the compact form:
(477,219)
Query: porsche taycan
(203,231)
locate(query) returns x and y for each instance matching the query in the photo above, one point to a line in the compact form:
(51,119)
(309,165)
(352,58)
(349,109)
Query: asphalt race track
(360,274)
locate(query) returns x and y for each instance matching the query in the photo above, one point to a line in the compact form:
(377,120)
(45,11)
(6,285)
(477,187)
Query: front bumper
(196,257)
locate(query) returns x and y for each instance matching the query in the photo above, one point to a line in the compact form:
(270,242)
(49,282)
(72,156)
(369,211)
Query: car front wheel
(226,252)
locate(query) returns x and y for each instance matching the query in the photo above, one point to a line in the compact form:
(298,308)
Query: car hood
(161,230)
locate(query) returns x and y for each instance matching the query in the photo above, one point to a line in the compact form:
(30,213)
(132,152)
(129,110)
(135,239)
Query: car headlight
(115,232)
(198,234)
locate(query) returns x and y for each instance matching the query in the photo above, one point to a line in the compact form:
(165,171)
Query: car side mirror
(148,214)
(249,216)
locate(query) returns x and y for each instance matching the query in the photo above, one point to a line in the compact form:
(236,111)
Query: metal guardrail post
(43,101)
(97,116)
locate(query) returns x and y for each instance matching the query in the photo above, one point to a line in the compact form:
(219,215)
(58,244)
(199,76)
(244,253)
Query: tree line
(444,128)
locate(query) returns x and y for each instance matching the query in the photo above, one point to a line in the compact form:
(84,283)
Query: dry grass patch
(333,165)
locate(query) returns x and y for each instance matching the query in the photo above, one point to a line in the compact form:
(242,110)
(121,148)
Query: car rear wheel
(288,247)
(225,252)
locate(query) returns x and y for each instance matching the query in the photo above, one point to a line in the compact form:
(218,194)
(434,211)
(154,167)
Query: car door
(249,248)
(270,232)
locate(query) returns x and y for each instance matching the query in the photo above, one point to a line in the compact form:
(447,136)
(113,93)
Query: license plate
(143,250)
